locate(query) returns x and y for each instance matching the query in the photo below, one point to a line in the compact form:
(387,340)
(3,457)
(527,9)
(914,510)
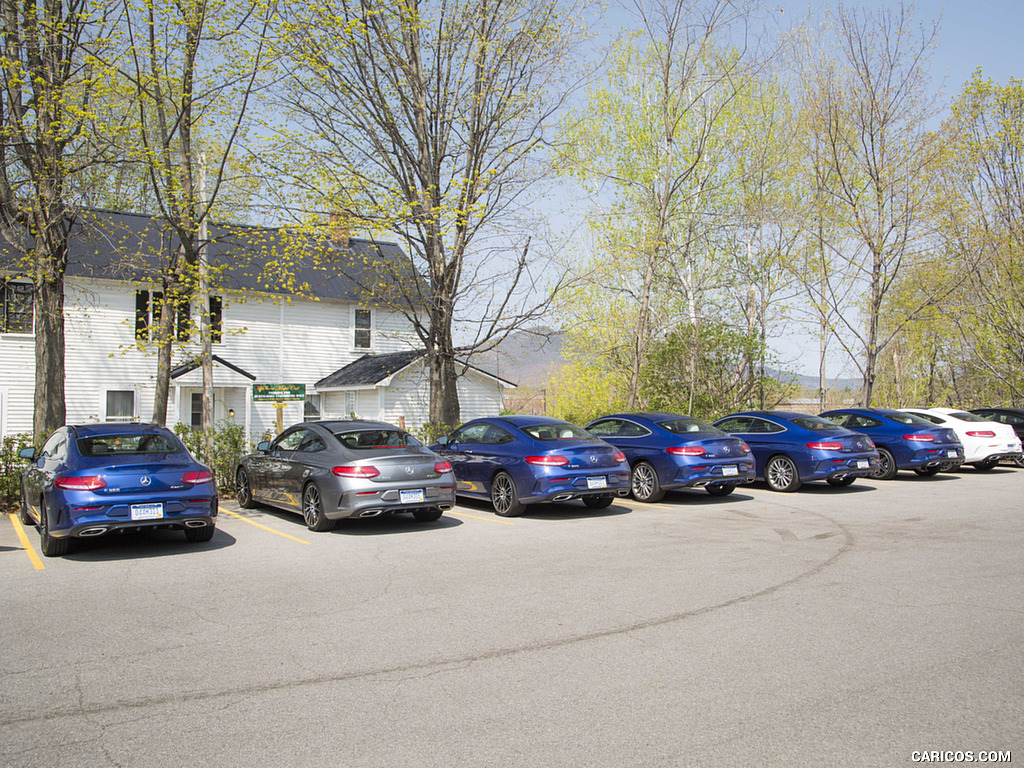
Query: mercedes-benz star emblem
(409,470)
(145,480)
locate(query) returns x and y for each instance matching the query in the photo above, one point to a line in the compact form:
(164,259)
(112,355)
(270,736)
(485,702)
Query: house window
(148,309)
(362,339)
(216,319)
(120,405)
(17,310)
(311,409)
(197,410)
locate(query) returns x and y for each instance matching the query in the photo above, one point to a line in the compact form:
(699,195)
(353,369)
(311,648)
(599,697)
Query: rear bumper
(715,474)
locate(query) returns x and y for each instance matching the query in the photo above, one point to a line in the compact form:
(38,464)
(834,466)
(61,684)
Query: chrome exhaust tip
(92,532)
(195,523)
(445,507)
(371,513)
(561,497)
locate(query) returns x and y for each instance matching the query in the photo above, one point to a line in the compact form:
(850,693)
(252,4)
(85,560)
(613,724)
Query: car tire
(720,489)
(504,497)
(781,474)
(197,535)
(644,484)
(928,471)
(23,515)
(886,469)
(243,489)
(840,482)
(313,510)
(427,515)
(598,502)
(986,465)
(51,546)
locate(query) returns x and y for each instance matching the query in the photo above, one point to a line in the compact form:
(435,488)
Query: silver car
(330,470)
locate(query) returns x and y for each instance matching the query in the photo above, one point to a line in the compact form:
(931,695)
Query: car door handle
(468,451)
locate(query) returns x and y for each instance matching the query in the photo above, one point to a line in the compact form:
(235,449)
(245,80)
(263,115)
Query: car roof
(118,428)
(519,420)
(654,416)
(787,415)
(333,424)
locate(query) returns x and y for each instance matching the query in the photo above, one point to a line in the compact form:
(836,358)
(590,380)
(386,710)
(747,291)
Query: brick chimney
(339,230)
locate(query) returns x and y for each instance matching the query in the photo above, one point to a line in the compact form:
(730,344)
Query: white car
(986,443)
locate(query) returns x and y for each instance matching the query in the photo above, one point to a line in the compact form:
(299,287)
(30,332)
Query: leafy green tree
(45,108)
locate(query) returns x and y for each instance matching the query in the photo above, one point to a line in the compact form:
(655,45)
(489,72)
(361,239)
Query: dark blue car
(793,448)
(100,478)
(904,441)
(667,451)
(513,461)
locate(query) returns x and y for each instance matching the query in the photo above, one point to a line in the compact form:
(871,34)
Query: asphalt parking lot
(855,626)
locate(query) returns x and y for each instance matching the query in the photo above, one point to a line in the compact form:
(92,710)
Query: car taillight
(619,457)
(69,483)
(745,447)
(982,433)
(197,477)
(686,450)
(825,446)
(548,461)
(356,470)
(442,466)
(920,438)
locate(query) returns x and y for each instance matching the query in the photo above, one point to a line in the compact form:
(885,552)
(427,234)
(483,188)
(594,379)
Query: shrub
(11,466)
(229,445)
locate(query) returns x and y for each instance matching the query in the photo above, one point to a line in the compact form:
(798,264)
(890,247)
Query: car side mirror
(443,440)
(264,446)
(27,453)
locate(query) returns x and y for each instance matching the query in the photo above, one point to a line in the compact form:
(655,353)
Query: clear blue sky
(982,33)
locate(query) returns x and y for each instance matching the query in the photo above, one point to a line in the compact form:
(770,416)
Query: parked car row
(104,478)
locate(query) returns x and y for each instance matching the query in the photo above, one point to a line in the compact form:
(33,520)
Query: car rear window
(909,419)
(964,416)
(376,439)
(688,426)
(564,431)
(814,423)
(132,444)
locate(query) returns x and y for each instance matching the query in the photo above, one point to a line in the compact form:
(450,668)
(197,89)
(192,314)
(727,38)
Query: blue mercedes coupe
(793,448)
(668,451)
(104,478)
(514,461)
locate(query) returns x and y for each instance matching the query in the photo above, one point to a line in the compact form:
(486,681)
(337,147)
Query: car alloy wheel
(504,498)
(887,468)
(781,474)
(243,490)
(313,510)
(644,483)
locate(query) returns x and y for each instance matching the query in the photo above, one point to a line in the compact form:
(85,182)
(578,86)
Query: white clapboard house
(279,316)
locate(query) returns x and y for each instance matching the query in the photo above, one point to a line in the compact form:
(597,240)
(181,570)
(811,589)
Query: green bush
(429,433)
(11,466)
(229,445)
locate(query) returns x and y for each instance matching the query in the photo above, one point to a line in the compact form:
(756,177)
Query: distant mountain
(528,358)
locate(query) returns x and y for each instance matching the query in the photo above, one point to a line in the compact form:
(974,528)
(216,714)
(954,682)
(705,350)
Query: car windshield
(688,426)
(132,444)
(814,423)
(909,419)
(560,431)
(376,439)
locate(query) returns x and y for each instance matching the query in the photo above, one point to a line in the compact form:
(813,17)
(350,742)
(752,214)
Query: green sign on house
(278,392)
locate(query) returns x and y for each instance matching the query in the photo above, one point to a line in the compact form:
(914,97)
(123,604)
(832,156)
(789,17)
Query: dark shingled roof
(134,247)
(370,370)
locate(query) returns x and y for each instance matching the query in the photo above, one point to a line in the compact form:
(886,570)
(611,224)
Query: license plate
(147,511)
(729,470)
(863,464)
(597,482)
(411,497)
(950,454)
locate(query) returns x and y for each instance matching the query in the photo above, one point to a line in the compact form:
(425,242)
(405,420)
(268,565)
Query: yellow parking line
(477,517)
(259,525)
(20,530)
